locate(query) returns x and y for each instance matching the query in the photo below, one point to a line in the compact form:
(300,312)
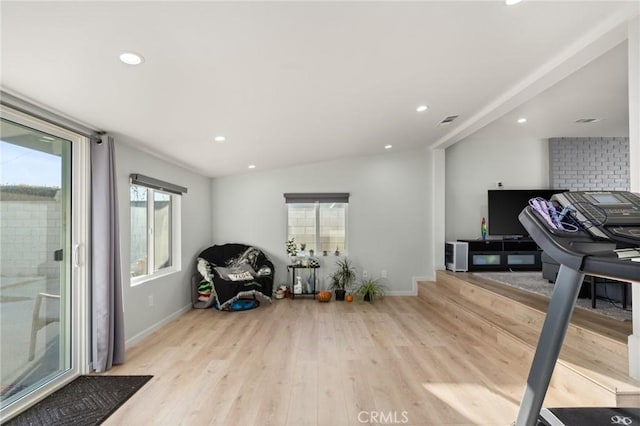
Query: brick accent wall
(584,164)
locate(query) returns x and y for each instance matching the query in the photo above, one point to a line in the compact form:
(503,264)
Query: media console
(504,255)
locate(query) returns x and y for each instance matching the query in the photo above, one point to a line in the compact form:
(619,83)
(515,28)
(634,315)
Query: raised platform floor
(594,358)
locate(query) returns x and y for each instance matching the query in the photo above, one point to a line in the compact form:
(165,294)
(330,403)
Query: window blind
(316,197)
(153,183)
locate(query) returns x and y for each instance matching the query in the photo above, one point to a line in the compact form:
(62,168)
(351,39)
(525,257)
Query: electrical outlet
(365,274)
(150,297)
(383,273)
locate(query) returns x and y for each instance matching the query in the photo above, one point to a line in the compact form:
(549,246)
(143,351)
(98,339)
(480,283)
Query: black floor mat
(88,400)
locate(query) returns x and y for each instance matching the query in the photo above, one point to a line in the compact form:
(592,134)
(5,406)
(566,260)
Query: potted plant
(342,278)
(370,288)
(337,287)
(291,247)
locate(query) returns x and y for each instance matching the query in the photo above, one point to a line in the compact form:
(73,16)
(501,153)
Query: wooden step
(594,357)
(610,347)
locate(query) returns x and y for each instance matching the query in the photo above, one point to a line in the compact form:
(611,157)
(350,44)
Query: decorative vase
(324,252)
(349,298)
(339,294)
(367,298)
(309,284)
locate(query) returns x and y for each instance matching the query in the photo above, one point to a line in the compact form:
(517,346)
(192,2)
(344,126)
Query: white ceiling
(598,90)
(299,82)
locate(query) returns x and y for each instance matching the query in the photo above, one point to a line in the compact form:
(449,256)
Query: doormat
(88,400)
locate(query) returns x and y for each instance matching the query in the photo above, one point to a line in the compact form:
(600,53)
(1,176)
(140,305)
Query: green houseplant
(342,278)
(336,286)
(370,288)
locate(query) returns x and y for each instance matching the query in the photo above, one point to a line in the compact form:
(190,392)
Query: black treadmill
(607,244)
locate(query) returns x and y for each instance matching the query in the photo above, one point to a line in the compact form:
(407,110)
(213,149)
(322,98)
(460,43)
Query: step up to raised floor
(594,357)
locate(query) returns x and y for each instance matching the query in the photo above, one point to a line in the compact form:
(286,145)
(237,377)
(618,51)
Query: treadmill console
(607,215)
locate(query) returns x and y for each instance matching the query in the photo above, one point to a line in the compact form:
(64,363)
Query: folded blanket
(243,272)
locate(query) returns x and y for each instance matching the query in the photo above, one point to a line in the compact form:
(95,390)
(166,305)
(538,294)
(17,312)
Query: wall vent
(587,120)
(447,120)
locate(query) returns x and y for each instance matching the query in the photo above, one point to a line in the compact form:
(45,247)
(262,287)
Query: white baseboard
(148,331)
(400,293)
(416,280)
(412,292)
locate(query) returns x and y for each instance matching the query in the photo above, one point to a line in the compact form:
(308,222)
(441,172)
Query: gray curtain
(107,337)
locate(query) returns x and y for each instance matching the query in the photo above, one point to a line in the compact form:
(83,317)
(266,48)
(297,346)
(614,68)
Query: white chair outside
(39,321)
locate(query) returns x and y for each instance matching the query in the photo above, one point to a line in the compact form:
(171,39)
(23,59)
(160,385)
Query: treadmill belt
(589,416)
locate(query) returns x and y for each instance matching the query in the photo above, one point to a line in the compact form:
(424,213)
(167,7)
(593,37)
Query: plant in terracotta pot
(343,278)
(370,288)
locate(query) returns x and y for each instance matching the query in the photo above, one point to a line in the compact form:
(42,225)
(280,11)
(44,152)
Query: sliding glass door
(39,259)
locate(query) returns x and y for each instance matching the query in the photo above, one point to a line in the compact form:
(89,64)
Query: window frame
(317,205)
(175,236)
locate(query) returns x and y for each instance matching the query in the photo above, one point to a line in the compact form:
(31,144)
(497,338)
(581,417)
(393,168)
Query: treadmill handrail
(558,252)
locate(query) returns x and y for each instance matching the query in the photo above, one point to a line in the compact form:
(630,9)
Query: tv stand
(504,255)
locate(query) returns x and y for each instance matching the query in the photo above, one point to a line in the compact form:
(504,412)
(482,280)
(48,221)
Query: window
(155,232)
(318,220)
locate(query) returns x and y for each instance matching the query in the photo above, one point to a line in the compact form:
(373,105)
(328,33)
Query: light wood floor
(306,363)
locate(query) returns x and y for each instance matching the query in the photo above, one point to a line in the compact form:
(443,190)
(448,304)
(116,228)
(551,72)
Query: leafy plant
(370,288)
(344,275)
(335,282)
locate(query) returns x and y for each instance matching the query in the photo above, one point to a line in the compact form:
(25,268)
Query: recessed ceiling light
(252,166)
(131,58)
(422,108)
(388,146)
(522,120)
(219,139)
(511,2)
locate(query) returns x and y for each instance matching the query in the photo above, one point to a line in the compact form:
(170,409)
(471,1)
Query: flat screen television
(506,204)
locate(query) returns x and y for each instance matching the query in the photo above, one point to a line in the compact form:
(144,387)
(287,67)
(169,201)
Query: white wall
(474,165)
(634,166)
(172,293)
(388,215)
